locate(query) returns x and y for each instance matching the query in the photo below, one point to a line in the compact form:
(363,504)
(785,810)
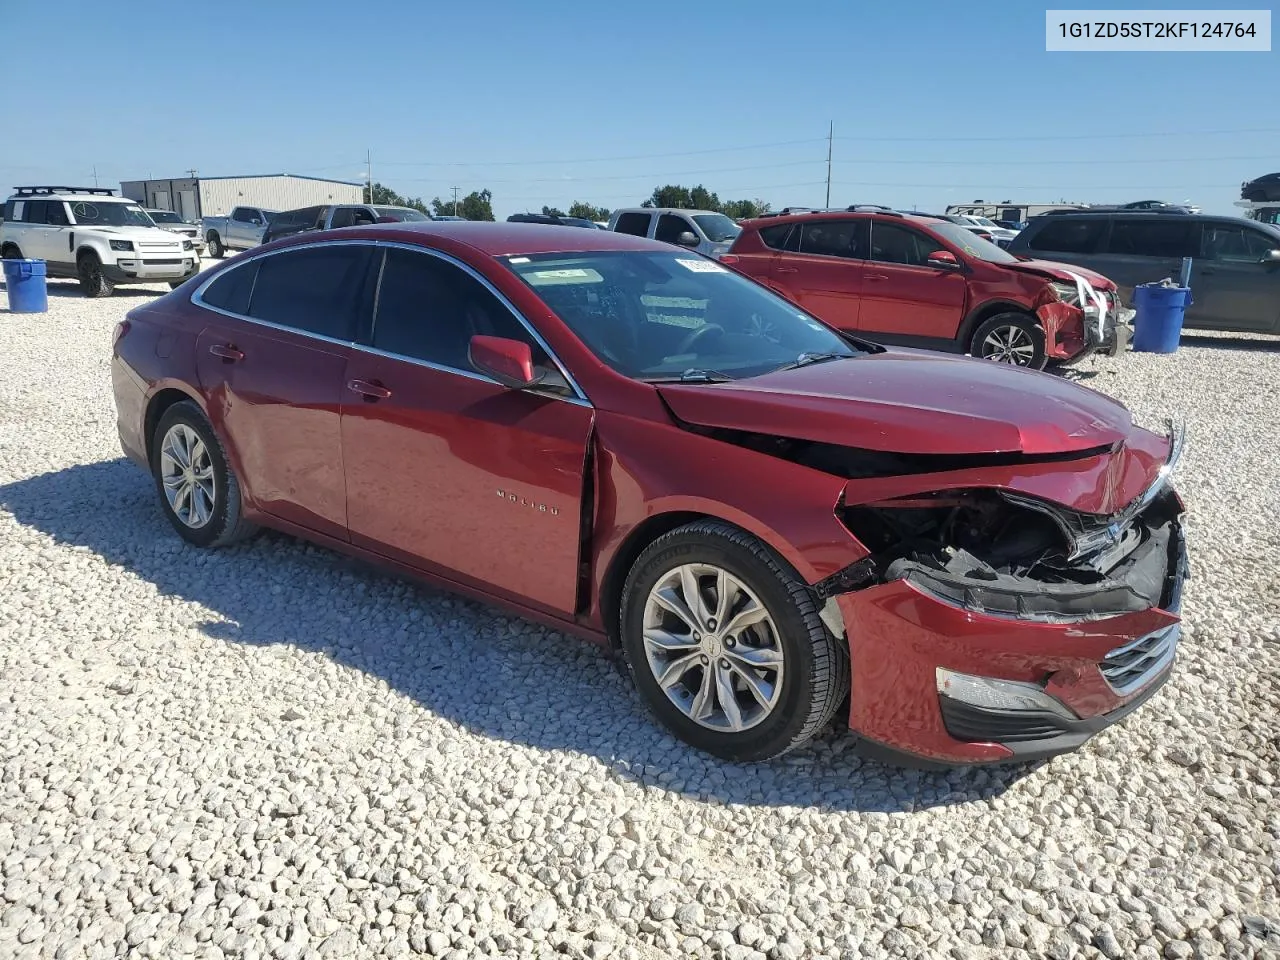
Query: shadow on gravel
(496,675)
(1268,345)
(70,288)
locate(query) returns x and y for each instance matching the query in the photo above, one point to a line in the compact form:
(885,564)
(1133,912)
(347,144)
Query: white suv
(94,236)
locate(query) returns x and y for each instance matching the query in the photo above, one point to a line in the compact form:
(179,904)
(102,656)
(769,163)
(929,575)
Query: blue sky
(550,102)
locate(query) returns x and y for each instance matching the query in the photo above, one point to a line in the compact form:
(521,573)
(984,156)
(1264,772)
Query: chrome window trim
(197,299)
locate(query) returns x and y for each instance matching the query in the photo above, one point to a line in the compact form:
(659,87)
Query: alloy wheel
(1009,344)
(186,474)
(713,647)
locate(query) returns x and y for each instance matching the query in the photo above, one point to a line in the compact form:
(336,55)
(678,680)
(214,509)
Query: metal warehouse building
(196,197)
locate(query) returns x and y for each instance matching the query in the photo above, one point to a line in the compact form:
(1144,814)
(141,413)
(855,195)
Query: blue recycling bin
(1157,323)
(25,282)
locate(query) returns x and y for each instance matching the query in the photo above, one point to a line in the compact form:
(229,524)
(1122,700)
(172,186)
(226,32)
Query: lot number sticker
(701,266)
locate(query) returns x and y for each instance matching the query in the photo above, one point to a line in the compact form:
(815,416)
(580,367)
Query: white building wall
(219,196)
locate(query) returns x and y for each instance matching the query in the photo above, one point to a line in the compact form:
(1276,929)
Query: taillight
(121,329)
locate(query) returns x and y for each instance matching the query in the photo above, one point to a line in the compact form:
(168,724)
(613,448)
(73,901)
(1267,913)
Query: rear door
(823,269)
(271,364)
(1231,284)
(446,469)
(756,253)
(902,295)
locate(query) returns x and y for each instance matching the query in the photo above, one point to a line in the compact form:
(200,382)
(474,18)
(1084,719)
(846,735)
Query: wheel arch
(83,248)
(160,401)
(984,312)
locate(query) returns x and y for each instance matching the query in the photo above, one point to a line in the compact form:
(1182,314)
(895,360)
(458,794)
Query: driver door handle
(875,276)
(370,391)
(227,352)
(787,270)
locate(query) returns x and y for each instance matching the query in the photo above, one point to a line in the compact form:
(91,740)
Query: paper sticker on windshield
(519,260)
(701,266)
(547,278)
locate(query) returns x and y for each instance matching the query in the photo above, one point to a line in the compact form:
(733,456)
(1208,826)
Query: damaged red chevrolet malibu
(769,520)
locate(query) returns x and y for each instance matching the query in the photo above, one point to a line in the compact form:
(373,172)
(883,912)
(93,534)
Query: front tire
(93,281)
(216,249)
(199,492)
(1013,338)
(724,642)
(10,252)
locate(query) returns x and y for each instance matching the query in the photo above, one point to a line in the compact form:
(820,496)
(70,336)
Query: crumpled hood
(1061,271)
(908,401)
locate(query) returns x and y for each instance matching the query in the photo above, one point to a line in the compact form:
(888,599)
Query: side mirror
(510,362)
(1271,256)
(687,239)
(256,222)
(944,259)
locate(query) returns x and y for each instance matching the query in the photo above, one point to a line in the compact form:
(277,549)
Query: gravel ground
(270,751)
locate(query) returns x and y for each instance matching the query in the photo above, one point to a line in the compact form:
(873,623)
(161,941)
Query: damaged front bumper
(954,662)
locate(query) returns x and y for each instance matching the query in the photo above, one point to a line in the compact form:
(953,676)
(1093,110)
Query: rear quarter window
(775,237)
(1069,235)
(231,290)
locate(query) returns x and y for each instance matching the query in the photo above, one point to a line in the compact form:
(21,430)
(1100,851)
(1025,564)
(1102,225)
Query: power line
(628,176)
(644,156)
(1004,188)
(1081,136)
(1045,163)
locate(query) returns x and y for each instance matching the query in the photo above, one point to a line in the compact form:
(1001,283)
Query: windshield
(404,214)
(972,244)
(110,214)
(656,316)
(717,227)
(164,216)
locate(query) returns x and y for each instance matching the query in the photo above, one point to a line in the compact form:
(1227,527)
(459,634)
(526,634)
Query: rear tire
(93,281)
(767,682)
(1013,338)
(216,249)
(203,502)
(10,251)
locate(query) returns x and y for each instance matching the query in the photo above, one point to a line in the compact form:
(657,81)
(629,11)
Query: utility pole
(455,200)
(831,129)
(95,174)
(368,159)
(192,173)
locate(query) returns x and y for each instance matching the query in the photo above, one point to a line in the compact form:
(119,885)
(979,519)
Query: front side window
(891,243)
(55,213)
(1155,237)
(658,316)
(835,238)
(401,214)
(342,217)
(313,289)
(670,226)
(1069,235)
(1238,244)
(636,224)
(429,309)
(242,214)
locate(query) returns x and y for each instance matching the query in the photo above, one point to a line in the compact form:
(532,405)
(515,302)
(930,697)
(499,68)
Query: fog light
(991,694)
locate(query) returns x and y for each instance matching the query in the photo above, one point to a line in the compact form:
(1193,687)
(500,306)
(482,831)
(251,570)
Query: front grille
(162,263)
(144,245)
(964,721)
(1129,667)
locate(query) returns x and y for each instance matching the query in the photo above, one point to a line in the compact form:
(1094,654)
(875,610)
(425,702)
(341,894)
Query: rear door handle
(227,352)
(370,391)
(787,270)
(876,276)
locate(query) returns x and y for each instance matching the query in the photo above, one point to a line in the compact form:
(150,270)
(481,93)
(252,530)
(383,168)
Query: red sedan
(629,442)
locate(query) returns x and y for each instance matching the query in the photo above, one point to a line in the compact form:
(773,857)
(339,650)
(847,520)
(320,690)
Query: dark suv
(1235,275)
(334,215)
(927,282)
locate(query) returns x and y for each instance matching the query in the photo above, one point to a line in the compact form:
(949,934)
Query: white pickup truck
(240,231)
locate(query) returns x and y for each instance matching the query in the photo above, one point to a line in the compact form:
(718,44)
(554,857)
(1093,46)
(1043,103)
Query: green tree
(477,205)
(702,199)
(670,196)
(552,212)
(744,209)
(385,196)
(587,212)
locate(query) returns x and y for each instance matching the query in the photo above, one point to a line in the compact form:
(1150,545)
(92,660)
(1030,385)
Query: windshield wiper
(807,358)
(693,375)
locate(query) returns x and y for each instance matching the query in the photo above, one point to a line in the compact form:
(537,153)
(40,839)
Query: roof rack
(875,207)
(46,191)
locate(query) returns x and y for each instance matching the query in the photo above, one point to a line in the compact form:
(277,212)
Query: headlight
(1066,292)
(122,245)
(187,245)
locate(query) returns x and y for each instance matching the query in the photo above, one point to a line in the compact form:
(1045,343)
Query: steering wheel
(687,343)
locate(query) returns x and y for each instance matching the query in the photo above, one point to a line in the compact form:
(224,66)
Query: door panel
(1231,295)
(463,477)
(828,287)
(278,408)
(912,301)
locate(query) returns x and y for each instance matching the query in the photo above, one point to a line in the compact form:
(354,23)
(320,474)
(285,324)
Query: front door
(273,379)
(824,274)
(446,469)
(1232,285)
(902,295)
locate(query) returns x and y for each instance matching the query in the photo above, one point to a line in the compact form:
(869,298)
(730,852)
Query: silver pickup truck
(240,231)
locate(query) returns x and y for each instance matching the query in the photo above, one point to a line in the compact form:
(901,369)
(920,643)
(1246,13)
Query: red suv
(923,282)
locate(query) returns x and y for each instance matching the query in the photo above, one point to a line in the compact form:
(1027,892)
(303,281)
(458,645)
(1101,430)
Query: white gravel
(269,751)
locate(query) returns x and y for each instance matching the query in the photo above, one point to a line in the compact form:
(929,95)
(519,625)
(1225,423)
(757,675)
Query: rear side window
(1152,237)
(316,289)
(1069,235)
(836,238)
(34,212)
(775,237)
(231,290)
(636,224)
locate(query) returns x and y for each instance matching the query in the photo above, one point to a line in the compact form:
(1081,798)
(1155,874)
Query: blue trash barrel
(1157,323)
(25,282)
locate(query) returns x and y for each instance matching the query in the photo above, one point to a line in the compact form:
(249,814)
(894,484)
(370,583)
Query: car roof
(1135,214)
(664,210)
(922,219)
(503,239)
(70,197)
